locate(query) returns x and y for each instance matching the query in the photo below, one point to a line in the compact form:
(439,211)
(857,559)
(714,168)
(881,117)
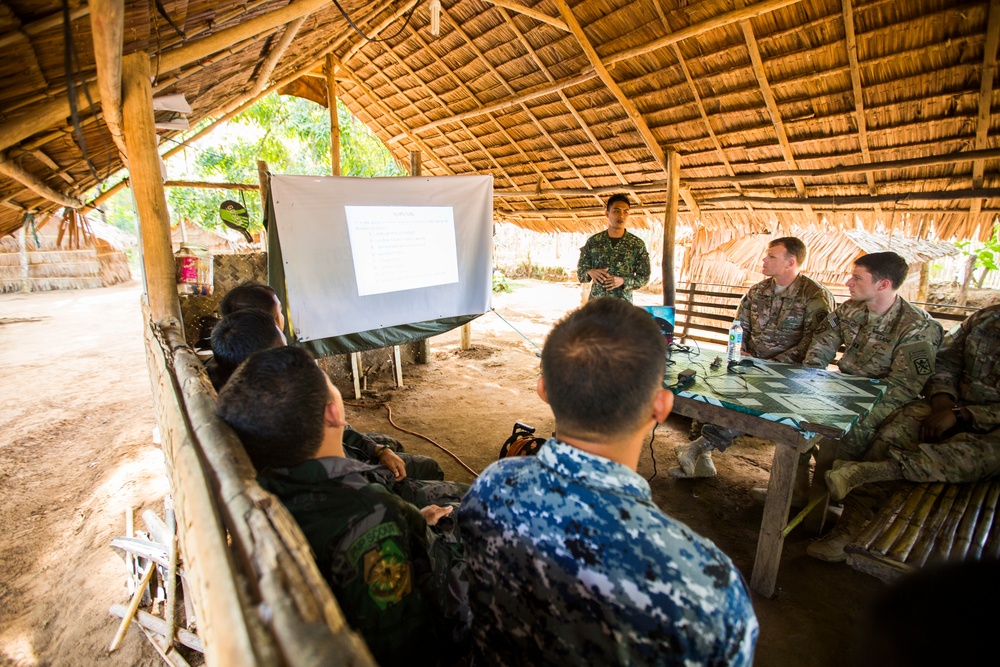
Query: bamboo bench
(929,523)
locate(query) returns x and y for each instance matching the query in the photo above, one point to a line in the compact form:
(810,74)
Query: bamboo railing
(258,596)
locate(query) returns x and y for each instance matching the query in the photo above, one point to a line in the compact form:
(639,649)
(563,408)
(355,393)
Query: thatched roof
(784,113)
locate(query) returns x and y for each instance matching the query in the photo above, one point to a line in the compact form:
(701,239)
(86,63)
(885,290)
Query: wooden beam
(107,29)
(735,16)
(51,164)
(533,13)
(382,25)
(274,56)
(10,168)
(940,195)
(986,94)
(332,93)
(24,32)
(772,109)
(147,188)
(630,109)
(209,185)
(859,98)
(670,227)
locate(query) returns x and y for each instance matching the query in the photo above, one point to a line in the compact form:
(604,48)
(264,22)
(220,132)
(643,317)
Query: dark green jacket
(382,563)
(628,259)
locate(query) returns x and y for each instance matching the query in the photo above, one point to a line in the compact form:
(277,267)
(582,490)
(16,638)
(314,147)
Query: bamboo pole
(670,227)
(275,55)
(938,195)
(147,188)
(208,185)
(133,605)
(107,29)
(423,346)
(22,248)
(10,168)
(331,102)
(533,13)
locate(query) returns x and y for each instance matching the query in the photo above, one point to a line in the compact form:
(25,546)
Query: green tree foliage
(291,134)
(985,256)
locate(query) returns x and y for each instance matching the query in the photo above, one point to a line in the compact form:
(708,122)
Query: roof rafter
(859,99)
(533,13)
(986,94)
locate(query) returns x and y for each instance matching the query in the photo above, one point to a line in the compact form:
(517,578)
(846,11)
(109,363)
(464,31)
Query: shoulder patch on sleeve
(919,358)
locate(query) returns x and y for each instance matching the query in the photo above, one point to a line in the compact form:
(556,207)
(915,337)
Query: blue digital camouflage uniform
(968,370)
(897,348)
(399,583)
(571,563)
(627,259)
(365,447)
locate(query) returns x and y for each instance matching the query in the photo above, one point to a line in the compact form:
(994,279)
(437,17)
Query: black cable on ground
(652,437)
(421,436)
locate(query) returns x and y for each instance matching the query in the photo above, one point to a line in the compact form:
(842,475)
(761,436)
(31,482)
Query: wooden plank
(771,539)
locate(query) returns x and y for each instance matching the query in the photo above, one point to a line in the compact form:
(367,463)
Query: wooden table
(792,405)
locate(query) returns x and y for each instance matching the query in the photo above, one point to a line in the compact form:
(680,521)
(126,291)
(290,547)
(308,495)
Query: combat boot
(695,459)
(830,547)
(849,475)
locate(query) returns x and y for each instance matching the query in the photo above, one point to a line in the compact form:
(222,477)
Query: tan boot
(831,547)
(849,475)
(695,459)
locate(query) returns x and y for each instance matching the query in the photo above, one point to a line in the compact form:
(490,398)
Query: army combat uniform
(399,583)
(626,258)
(776,326)
(968,370)
(571,563)
(897,348)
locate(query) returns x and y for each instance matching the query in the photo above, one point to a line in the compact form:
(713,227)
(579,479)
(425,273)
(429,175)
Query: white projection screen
(368,253)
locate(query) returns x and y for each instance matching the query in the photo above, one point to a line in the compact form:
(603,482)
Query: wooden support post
(107,26)
(423,352)
(265,192)
(467,336)
(356,374)
(397,367)
(22,247)
(690,308)
(331,101)
(147,188)
(670,226)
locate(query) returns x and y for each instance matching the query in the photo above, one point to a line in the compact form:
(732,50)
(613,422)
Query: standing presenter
(615,260)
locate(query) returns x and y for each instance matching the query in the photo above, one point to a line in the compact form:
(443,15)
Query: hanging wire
(161,10)
(375,40)
(71,64)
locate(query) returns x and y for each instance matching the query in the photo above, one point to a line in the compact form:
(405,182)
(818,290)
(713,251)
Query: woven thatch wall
(54,268)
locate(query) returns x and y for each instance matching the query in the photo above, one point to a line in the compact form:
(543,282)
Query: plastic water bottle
(733,352)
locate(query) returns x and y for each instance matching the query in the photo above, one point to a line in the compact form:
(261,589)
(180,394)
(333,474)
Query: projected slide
(398,248)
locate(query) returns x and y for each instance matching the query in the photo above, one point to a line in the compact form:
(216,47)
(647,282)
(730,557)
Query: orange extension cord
(422,437)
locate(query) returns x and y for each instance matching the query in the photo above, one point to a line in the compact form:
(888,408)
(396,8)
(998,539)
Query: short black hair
(602,365)
(249,295)
(240,334)
(618,197)
(275,402)
(793,246)
(885,266)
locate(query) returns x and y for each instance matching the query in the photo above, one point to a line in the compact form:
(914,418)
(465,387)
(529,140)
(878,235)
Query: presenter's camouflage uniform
(781,326)
(897,348)
(571,563)
(626,258)
(968,370)
(399,583)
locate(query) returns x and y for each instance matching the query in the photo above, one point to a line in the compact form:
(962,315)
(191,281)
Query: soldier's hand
(614,282)
(434,513)
(934,426)
(391,461)
(598,275)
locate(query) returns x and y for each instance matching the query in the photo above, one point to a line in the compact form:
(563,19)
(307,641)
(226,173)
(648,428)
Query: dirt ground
(76,450)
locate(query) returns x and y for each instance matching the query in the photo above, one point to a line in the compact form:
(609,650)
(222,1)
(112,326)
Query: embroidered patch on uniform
(918,358)
(387,574)
(369,539)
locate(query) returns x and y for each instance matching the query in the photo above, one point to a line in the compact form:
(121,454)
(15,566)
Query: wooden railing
(705,311)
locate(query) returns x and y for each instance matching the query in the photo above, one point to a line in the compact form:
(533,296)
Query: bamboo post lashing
(670,228)
(147,188)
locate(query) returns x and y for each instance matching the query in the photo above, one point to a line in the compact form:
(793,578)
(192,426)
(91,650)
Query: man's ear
(334,414)
(662,403)
(540,388)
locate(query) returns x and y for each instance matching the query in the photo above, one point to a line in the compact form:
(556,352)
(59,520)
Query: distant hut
(70,251)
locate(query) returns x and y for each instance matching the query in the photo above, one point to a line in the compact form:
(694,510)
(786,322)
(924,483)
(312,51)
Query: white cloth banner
(367,253)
